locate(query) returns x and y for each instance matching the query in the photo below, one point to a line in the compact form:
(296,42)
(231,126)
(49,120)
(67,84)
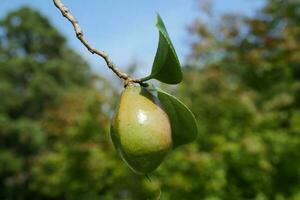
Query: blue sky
(125,29)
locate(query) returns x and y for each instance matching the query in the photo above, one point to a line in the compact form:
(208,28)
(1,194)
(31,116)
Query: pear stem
(149,179)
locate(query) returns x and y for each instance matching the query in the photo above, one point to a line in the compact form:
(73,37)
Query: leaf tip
(160,23)
(158,17)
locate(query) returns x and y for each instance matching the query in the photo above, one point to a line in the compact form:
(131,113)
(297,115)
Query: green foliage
(166,67)
(36,68)
(244,90)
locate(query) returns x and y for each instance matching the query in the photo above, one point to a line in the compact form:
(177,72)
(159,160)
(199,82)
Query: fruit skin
(141,130)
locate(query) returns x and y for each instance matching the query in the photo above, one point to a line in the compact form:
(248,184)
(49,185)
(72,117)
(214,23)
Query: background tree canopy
(242,82)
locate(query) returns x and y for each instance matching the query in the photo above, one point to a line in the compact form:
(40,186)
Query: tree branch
(79,34)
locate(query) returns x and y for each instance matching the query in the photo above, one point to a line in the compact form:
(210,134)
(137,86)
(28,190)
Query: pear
(141,130)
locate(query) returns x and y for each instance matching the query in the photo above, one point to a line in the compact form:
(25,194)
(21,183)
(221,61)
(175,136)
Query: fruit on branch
(141,130)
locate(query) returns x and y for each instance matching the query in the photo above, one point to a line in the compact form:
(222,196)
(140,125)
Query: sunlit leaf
(166,67)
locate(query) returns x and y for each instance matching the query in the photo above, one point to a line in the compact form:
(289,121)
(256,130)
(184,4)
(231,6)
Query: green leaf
(166,67)
(183,122)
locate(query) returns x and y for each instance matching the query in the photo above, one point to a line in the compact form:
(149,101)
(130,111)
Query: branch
(79,34)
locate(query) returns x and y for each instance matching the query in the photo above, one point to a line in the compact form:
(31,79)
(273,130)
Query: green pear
(141,130)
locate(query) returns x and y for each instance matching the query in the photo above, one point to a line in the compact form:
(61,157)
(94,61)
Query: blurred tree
(54,115)
(36,64)
(36,68)
(242,82)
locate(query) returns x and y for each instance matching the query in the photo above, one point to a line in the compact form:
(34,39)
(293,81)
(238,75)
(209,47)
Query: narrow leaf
(166,67)
(183,122)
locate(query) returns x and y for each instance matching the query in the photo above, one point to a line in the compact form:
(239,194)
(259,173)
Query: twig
(79,34)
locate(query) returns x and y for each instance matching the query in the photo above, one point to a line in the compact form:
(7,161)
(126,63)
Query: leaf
(183,122)
(166,67)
